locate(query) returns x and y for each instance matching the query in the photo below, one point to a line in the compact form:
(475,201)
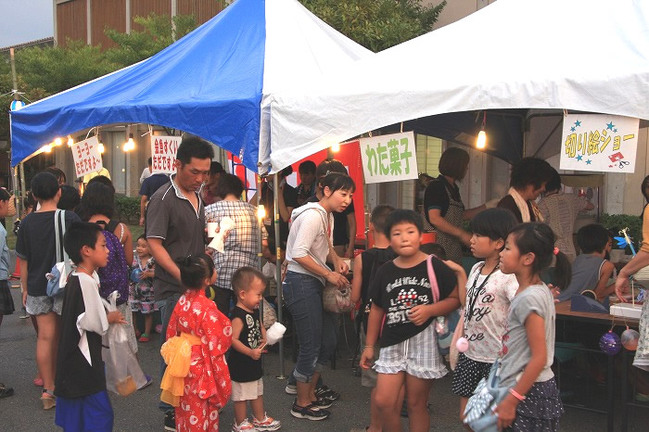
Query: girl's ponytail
(562,270)
(538,238)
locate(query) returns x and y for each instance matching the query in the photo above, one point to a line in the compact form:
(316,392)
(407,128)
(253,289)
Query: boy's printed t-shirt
(397,290)
(485,317)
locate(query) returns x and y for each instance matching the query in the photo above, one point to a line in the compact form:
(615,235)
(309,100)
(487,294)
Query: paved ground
(138,412)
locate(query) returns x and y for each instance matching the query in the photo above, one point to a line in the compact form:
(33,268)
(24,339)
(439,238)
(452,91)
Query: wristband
(516,394)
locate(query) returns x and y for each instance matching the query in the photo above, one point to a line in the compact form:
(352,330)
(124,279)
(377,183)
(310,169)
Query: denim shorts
(315,328)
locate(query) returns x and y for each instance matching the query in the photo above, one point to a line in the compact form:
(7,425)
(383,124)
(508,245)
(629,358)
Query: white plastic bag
(123,372)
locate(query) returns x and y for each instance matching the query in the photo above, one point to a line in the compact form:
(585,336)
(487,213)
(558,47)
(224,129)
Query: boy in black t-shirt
(82,400)
(403,309)
(248,339)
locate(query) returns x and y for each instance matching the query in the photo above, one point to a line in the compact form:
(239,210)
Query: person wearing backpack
(97,206)
(36,249)
(365,267)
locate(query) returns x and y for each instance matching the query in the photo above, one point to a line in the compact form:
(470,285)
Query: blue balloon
(135,275)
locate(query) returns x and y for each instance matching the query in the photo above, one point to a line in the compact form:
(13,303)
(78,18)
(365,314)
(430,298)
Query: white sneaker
(267,424)
(290,389)
(243,426)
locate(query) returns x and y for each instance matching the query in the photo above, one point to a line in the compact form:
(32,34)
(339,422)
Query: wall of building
(457,9)
(86,20)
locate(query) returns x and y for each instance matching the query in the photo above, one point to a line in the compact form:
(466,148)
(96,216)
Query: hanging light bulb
(130,144)
(47,148)
(57,142)
(70,141)
(335,148)
(261,213)
(481,142)
(101,148)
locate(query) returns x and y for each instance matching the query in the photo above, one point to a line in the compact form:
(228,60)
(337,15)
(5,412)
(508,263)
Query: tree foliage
(55,69)
(156,35)
(377,24)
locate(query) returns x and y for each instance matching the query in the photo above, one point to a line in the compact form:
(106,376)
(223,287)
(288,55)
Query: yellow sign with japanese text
(599,142)
(389,158)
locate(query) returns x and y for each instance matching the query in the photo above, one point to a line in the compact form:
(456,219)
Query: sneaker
(309,412)
(322,403)
(170,421)
(267,424)
(324,392)
(244,426)
(290,389)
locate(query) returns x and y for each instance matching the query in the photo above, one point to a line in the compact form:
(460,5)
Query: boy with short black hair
(591,269)
(82,399)
(248,339)
(402,294)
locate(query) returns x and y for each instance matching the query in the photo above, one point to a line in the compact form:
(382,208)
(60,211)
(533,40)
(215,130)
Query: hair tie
(555,250)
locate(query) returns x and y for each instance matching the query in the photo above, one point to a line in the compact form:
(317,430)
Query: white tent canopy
(585,55)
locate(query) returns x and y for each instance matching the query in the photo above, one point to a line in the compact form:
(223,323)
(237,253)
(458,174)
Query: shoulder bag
(444,325)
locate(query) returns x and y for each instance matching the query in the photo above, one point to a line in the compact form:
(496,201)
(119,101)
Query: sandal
(144,338)
(38,382)
(48,399)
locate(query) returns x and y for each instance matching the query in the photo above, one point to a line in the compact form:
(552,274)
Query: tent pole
(18,200)
(23,188)
(260,250)
(278,271)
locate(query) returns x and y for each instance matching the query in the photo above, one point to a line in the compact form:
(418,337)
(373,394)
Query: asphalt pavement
(138,412)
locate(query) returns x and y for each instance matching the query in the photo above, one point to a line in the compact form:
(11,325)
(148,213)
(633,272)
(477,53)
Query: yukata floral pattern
(207,385)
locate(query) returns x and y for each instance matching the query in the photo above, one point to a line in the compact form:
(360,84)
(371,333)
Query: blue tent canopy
(209,83)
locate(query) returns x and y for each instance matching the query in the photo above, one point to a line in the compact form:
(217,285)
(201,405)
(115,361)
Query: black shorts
(467,375)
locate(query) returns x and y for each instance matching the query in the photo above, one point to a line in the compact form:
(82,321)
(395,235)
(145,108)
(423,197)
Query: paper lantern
(629,339)
(610,343)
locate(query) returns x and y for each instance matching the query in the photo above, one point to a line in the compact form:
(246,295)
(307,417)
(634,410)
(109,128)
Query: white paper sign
(87,158)
(389,158)
(599,142)
(163,153)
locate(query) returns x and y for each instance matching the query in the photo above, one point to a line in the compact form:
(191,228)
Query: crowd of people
(208,297)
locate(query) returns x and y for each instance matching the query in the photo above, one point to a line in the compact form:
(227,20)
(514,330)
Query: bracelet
(516,394)
(368,346)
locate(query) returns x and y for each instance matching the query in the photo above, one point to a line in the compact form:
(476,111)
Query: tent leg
(260,250)
(23,187)
(278,271)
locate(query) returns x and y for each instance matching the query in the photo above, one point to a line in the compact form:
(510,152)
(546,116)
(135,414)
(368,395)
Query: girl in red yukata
(203,386)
